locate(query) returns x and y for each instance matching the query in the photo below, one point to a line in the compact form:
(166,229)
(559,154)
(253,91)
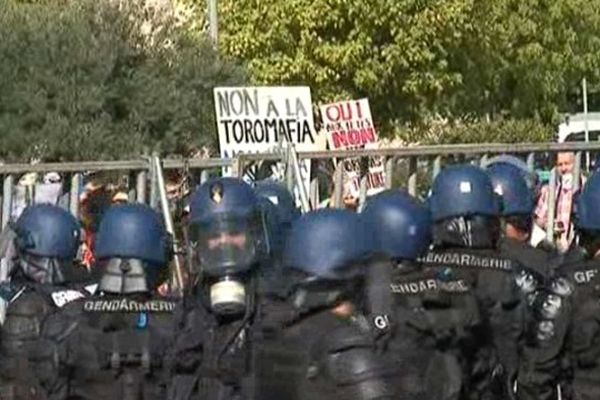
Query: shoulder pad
(359,373)
(576,255)
(63,297)
(347,337)
(9,292)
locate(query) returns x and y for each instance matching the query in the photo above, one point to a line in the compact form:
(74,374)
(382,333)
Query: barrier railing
(417,163)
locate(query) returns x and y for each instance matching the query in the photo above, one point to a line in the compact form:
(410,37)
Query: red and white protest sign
(349,125)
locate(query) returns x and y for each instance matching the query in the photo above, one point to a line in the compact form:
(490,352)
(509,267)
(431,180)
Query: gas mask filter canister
(228,297)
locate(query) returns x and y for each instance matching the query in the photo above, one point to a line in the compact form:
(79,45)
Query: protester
(565,190)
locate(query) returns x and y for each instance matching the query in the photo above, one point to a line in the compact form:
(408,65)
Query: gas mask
(226,268)
(226,259)
(226,246)
(45,270)
(127,275)
(226,252)
(226,286)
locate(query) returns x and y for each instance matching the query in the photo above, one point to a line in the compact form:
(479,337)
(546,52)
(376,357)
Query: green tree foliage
(111,79)
(104,80)
(391,51)
(496,131)
(527,58)
(418,60)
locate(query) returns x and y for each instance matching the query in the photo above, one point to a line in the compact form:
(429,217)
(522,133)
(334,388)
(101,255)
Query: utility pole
(213,20)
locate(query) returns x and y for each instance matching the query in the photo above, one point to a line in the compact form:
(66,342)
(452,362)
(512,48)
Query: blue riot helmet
(280,215)
(226,228)
(278,194)
(587,215)
(597,163)
(221,209)
(531,178)
(47,239)
(516,198)
(401,224)
(464,208)
(462,190)
(402,229)
(325,256)
(508,183)
(132,247)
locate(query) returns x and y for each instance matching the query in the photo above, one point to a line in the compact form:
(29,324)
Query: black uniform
(435,316)
(211,355)
(108,347)
(541,368)
(536,278)
(581,352)
(318,356)
(29,304)
(531,258)
(494,357)
(569,354)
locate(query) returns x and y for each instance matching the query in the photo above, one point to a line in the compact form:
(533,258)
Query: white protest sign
(349,125)
(254,119)
(259,119)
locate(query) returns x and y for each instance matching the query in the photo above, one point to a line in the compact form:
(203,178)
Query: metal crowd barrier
(429,159)
(144,191)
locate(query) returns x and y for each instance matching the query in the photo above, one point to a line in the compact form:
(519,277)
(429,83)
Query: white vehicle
(573,127)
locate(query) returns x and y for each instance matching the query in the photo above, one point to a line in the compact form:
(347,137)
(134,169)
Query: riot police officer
(566,347)
(279,211)
(115,343)
(46,243)
(217,318)
(284,203)
(536,279)
(434,311)
(466,231)
(516,212)
(324,347)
